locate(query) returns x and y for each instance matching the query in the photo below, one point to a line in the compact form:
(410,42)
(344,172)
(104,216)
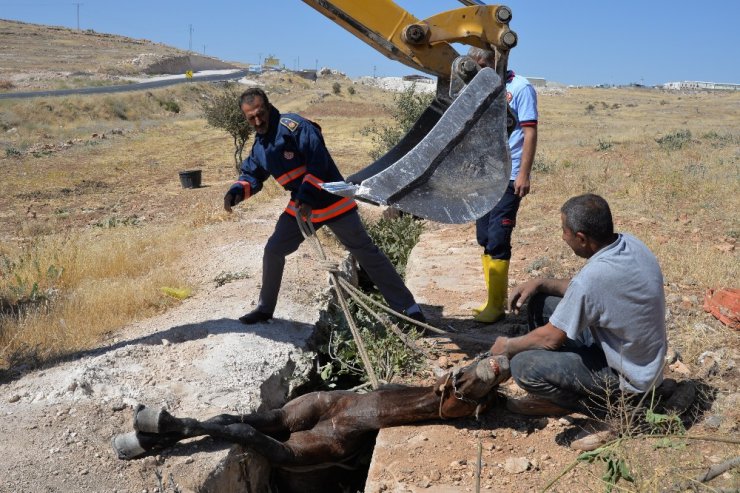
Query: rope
(356,293)
(341,286)
(308,231)
(385,321)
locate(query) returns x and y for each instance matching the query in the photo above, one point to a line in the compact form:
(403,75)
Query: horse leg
(151,420)
(303,448)
(157,429)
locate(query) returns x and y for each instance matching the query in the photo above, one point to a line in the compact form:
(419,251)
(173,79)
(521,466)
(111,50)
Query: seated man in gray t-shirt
(602,331)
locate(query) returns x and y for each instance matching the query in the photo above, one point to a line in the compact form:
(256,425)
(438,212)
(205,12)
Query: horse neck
(406,405)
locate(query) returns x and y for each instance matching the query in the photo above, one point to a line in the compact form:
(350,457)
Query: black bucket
(190,179)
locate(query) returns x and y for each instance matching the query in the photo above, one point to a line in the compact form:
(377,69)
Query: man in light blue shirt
(598,334)
(493,230)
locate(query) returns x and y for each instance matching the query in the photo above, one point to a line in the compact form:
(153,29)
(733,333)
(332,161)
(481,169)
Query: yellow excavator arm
(453,165)
(421,44)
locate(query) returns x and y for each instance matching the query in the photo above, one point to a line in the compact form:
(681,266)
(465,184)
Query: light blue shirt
(522,100)
(619,295)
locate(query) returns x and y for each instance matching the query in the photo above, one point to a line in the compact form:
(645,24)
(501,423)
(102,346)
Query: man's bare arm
(546,337)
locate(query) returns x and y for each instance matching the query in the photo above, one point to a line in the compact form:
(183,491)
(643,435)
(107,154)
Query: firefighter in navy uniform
(291,149)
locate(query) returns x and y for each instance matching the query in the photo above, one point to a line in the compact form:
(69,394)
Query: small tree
(351,90)
(407,108)
(223,111)
(336,87)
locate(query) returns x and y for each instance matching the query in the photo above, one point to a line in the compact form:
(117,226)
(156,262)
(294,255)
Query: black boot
(418,316)
(255,317)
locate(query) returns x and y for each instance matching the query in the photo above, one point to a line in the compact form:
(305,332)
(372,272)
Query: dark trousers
(351,233)
(575,377)
(493,231)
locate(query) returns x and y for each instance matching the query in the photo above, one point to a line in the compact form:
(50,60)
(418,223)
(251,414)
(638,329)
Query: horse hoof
(147,419)
(493,370)
(127,446)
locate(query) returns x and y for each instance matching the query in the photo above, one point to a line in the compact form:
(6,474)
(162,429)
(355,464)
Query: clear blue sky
(571,41)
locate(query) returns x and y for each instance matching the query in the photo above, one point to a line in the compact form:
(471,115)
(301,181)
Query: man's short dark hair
(589,214)
(251,93)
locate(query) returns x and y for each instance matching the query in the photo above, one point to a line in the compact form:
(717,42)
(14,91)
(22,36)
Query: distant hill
(34,56)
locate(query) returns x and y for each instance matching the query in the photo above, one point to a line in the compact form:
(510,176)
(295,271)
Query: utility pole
(190,44)
(204,49)
(78,14)
(374,69)
(316,66)
(298,64)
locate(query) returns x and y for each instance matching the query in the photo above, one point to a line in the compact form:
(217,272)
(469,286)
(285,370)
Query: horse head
(464,391)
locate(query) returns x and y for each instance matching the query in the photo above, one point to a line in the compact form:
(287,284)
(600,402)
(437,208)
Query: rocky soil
(198,361)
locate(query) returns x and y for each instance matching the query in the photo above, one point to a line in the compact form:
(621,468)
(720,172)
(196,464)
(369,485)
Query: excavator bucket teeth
(457,171)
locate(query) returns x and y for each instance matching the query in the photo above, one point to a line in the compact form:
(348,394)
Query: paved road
(125,88)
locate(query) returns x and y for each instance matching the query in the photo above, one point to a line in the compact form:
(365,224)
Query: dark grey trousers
(575,377)
(351,233)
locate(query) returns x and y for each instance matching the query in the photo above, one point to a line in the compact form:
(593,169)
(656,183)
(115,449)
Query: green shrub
(118,108)
(540,165)
(336,88)
(407,108)
(719,140)
(170,105)
(396,237)
(674,141)
(389,355)
(12,152)
(604,145)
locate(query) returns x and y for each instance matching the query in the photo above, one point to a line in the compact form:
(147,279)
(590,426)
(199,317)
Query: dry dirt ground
(195,359)
(34,57)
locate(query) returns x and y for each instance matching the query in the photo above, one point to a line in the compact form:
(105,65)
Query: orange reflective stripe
(313,180)
(291,175)
(333,210)
(320,215)
(247,189)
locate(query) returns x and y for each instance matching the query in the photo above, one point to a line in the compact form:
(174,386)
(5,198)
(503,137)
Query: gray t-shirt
(619,295)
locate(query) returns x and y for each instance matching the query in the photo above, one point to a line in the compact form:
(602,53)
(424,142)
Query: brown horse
(323,427)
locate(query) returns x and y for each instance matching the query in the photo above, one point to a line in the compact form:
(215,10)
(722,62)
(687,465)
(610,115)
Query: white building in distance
(698,85)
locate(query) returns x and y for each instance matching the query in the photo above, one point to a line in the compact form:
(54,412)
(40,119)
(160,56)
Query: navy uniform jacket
(294,153)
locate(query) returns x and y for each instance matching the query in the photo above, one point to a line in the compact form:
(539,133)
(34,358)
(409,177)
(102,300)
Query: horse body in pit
(322,427)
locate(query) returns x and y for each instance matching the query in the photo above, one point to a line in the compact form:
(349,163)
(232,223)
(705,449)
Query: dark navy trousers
(351,233)
(493,230)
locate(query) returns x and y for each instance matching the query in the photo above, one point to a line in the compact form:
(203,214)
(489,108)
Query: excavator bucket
(454,164)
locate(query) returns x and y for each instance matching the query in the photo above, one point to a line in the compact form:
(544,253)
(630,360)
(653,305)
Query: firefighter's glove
(304,210)
(230,199)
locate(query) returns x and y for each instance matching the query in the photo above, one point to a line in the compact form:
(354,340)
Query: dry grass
(68,291)
(128,183)
(681,199)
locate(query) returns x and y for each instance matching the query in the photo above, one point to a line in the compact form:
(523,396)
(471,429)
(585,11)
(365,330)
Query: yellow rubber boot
(484,260)
(496,272)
